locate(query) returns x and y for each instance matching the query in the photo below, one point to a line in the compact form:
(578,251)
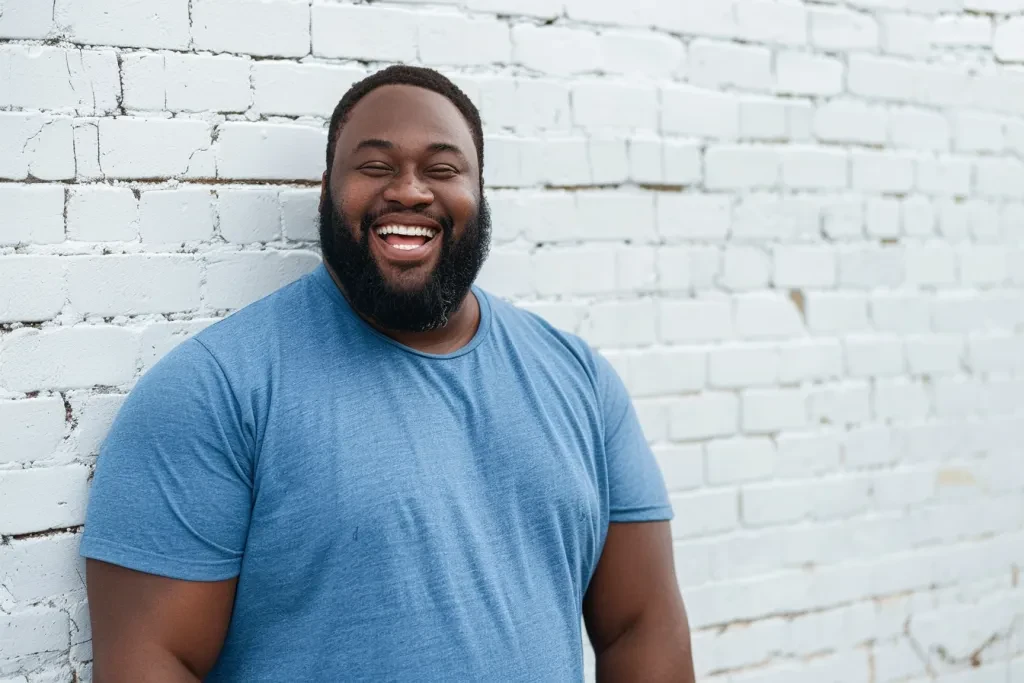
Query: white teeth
(405,247)
(410,230)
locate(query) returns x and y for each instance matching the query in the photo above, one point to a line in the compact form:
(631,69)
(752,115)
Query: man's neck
(459,331)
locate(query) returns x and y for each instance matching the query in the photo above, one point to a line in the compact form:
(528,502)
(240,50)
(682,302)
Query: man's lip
(407,219)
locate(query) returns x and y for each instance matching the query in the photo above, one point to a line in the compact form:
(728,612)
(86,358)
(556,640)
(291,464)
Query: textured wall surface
(795,228)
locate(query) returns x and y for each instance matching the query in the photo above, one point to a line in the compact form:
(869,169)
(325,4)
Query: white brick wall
(796,228)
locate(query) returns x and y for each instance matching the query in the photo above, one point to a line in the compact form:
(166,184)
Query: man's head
(403,220)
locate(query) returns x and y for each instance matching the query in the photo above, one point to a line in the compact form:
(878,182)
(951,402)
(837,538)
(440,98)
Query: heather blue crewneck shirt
(391,515)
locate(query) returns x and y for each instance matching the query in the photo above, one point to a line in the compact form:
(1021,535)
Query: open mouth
(406,237)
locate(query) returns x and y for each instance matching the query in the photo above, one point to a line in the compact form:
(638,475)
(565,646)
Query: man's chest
(429,483)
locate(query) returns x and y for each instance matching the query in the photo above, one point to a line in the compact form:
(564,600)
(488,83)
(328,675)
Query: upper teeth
(411,230)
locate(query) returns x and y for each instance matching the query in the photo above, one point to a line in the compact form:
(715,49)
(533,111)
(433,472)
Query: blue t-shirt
(391,515)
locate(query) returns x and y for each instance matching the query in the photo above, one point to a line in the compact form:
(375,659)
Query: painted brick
(688,110)
(701,217)
(836,312)
(962,31)
(803,266)
(300,217)
(454,40)
(30,430)
(810,359)
(837,28)
(256,151)
(247,216)
(36,145)
(1008,41)
(740,459)
(851,121)
(365,32)
(42,498)
(800,454)
(93,415)
(33,288)
(26,19)
(42,568)
(642,54)
(590,270)
(157,24)
(704,319)
(906,34)
(762,216)
(33,213)
(900,312)
(82,81)
(256,27)
(764,315)
(772,410)
(598,104)
(152,148)
(290,89)
(732,366)
(734,167)
(109,285)
(556,50)
(801,73)
(919,129)
(745,268)
(33,630)
(716,64)
(620,324)
(682,466)
(100,213)
(882,171)
(199,83)
(814,168)
(766,21)
(874,356)
(174,216)
(703,416)
(236,280)
(67,358)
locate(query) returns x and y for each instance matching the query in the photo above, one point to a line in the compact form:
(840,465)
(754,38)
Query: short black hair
(418,76)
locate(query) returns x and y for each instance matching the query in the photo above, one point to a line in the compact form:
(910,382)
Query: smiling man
(381,472)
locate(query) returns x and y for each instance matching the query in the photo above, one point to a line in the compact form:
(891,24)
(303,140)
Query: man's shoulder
(247,337)
(254,325)
(525,328)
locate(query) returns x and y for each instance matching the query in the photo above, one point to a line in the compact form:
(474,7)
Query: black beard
(427,308)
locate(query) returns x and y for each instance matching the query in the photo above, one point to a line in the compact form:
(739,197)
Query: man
(380,472)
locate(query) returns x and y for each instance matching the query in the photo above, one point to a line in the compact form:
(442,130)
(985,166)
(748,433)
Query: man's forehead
(406,111)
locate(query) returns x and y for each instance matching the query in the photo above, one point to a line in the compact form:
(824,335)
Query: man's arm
(151,629)
(633,609)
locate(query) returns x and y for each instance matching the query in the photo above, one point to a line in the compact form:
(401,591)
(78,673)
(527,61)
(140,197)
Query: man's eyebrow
(445,147)
(373,143)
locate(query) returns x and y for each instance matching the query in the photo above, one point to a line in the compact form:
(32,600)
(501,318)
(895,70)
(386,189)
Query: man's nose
(408,189)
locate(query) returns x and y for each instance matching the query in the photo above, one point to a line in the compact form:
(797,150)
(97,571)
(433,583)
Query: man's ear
(323,190)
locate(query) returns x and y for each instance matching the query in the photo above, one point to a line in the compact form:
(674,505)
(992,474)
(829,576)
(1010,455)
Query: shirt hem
(153,563)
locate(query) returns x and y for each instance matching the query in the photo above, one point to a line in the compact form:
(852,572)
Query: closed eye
(375,169)
(443,171)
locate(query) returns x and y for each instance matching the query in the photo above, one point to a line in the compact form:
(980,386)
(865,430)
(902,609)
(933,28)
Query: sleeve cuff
(650,513)
(152,563)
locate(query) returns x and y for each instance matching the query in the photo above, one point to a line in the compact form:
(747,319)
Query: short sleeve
(637,491)
(172,492)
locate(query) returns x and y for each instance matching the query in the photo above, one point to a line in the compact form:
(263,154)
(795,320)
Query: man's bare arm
(151,629)
(633,609)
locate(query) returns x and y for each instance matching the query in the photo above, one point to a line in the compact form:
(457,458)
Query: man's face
(403,223)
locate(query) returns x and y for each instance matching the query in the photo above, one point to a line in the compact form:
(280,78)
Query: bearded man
(381,472)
